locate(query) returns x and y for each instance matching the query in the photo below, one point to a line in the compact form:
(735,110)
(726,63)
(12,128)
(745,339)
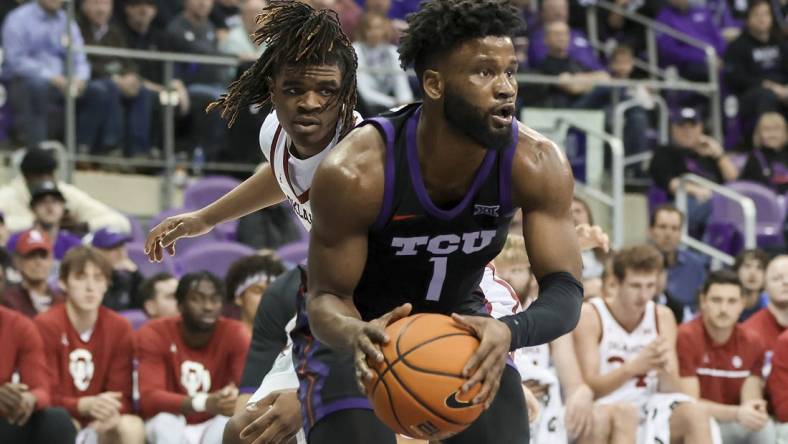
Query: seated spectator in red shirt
(769,322)
(720,363)
(126,278)
(247,279)
(190,365)
(750,266)
(767,162)
(157,296)
(777,384)
(34,261)
(25,413)
(49,208)
(89,351)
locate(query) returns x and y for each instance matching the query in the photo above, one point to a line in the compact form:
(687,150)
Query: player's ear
(433,84)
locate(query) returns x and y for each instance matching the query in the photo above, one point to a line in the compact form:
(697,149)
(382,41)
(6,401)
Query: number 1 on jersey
(438,276)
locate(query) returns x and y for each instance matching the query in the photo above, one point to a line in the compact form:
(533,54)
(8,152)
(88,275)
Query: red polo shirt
(720,368)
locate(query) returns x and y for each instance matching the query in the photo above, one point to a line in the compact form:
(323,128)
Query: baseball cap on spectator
(106,238)
(37,162)
(686,115)
(45,188)
(33,240)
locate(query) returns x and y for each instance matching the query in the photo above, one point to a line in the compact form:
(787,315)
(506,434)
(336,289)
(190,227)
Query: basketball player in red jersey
(90,351)
(431,190)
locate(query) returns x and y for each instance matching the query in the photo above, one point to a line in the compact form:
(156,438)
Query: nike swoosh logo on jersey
(453,403)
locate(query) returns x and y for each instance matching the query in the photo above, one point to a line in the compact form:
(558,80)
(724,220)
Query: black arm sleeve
(278,306)
(553,314)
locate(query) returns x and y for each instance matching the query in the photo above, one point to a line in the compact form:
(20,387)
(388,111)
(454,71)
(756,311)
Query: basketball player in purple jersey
(409,208)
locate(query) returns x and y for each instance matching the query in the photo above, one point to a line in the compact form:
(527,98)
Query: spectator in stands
(34,261)
(382,83)
(25,413)
(664,296)
(593,260)
(125,118)
(89,351)
(192,32)
(225,15)
(239,41)
(626,348)
(140,34)
(49,208)
(513,266)
(616,27)
(394,26)
(247,279)
(157,296)
(636,119)
(190,365)
(767,162)
(756,65)
(750,267)
(686,271)
(39,166)
(580,49)
(34,66)
(695,21)
(691,151)
(126,278)
(348,11)
(576,78)
(772,320)
(720,363)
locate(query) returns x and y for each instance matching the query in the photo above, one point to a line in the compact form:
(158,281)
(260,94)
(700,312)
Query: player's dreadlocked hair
(441,25)
(295,34)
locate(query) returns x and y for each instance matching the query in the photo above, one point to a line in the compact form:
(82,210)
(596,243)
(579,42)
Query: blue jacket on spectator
(686,277)
(696,22)
(33,44)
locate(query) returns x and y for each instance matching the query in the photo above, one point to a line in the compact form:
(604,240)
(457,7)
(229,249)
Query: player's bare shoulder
(540,169)
(352,175)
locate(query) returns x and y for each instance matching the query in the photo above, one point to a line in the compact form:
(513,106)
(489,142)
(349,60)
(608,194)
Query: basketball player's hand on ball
(488,361)
(164,235)
(278,422)
(366,339)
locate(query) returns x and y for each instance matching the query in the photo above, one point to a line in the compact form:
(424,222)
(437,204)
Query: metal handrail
(746,204)
(615,200)
(623,107)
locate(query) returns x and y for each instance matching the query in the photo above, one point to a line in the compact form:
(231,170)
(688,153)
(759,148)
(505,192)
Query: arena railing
(614,200)
(747,207)
(653,28)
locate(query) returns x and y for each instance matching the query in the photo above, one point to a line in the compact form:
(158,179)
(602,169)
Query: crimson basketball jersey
(294,175)
(169,370)
(618,346)
(89,364)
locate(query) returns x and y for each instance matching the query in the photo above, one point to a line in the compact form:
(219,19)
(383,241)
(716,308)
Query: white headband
(251,280)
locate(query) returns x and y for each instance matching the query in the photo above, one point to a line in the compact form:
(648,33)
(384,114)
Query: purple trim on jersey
(385,126)
(418,181)
(505,175)
(247,390)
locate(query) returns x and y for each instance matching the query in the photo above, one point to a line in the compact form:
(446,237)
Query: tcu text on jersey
(444,243)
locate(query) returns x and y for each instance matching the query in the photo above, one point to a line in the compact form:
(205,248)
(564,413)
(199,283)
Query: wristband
(199,402)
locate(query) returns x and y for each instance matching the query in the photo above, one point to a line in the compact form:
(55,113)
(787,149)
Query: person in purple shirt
(580,50)
(49,207)
(34,66)
(694,21)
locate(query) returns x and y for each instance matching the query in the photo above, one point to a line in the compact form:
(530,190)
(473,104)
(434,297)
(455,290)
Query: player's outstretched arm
(543,186)
(257,192)
(346,197)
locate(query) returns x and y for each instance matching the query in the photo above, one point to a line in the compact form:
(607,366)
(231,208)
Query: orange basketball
(415,390)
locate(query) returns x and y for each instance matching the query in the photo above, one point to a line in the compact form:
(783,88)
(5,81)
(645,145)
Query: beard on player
(483,126)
